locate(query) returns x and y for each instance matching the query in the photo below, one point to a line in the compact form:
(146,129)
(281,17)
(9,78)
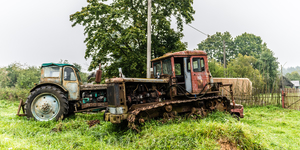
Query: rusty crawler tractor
(61,93)
(180,83)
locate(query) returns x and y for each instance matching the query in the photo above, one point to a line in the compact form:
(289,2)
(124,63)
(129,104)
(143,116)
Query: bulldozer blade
(21,105)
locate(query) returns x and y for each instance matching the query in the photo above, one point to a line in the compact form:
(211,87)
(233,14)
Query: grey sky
(39,31)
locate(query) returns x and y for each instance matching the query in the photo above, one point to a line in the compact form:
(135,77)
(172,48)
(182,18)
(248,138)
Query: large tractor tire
(71,111)
(47,103)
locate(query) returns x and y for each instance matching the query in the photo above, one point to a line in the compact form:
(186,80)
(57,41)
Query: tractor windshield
(51,71)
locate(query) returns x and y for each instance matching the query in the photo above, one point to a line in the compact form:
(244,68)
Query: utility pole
(282,92)
(224,57)
(149,40)
(282,83)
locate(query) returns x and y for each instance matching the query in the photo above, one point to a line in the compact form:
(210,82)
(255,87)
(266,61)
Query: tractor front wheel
(46,103)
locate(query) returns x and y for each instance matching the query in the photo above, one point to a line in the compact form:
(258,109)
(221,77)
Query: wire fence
(248,95)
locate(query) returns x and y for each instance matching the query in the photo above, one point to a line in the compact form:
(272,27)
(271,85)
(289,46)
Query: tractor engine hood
(141,80)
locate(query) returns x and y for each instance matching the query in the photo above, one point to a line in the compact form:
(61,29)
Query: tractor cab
(64,75)
(189,68)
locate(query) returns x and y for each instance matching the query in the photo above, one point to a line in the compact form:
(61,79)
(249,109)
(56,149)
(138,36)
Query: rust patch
(87,87)
(227,145)
(141,80)
(200,84)
(87,105)
(181,53)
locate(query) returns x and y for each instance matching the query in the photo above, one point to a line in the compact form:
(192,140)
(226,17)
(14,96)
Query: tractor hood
(142,80)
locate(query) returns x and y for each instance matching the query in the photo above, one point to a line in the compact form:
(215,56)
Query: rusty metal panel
(87,87)
(122,94)
(181,53)
(237,109)
(173,66)
(199,74)
(87,105)
(113,96)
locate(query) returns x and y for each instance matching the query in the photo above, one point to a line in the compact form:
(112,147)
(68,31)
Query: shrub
(13,94)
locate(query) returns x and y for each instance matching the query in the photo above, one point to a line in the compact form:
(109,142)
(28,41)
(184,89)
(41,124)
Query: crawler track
(223,104)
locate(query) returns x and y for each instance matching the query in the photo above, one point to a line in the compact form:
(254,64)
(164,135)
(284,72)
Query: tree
(216,69)
(213,46)
(268,65)
(116,32)
(242,67)
(249,44)
(13,70)
(27,77)
(4,79)
(246,45)
(290,69)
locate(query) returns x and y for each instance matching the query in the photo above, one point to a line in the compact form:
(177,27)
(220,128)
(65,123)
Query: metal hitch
(21,105)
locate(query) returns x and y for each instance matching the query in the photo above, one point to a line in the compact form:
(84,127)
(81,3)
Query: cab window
(178,69)
(198,64)
(156,68)
(69,74)
(167,68)
(202,64)
(188,65)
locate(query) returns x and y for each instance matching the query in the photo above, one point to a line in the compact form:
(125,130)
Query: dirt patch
(93,122)
(227,145)
(58,128)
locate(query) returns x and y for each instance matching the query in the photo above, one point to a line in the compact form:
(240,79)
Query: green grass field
(269,127)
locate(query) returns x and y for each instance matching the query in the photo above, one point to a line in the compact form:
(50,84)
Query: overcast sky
(39,31)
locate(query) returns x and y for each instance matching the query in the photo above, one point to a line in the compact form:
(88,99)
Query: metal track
(135,112)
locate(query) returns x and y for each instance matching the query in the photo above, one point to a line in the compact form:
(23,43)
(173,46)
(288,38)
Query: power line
(198,30)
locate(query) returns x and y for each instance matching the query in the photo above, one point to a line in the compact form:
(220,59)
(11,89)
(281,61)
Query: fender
(54,84)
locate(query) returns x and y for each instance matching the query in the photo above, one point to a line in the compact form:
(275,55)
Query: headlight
(116,110)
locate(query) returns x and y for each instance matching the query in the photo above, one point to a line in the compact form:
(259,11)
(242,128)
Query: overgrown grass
(268,127)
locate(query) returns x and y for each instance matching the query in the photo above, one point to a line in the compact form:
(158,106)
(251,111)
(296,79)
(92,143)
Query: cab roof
(55,64)
(181,53)
(59,65)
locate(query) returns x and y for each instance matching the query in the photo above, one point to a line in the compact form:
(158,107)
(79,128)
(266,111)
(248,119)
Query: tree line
(19,76)
(292,73)
(246,56)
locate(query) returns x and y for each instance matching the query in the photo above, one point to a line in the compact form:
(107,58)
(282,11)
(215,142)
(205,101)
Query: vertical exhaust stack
(98,74)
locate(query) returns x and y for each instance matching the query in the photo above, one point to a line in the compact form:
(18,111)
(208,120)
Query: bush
(13,94)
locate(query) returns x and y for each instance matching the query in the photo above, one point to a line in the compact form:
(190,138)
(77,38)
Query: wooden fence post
(282,98)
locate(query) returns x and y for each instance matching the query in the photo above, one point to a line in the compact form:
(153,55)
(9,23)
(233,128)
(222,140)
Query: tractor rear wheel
(47,103)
